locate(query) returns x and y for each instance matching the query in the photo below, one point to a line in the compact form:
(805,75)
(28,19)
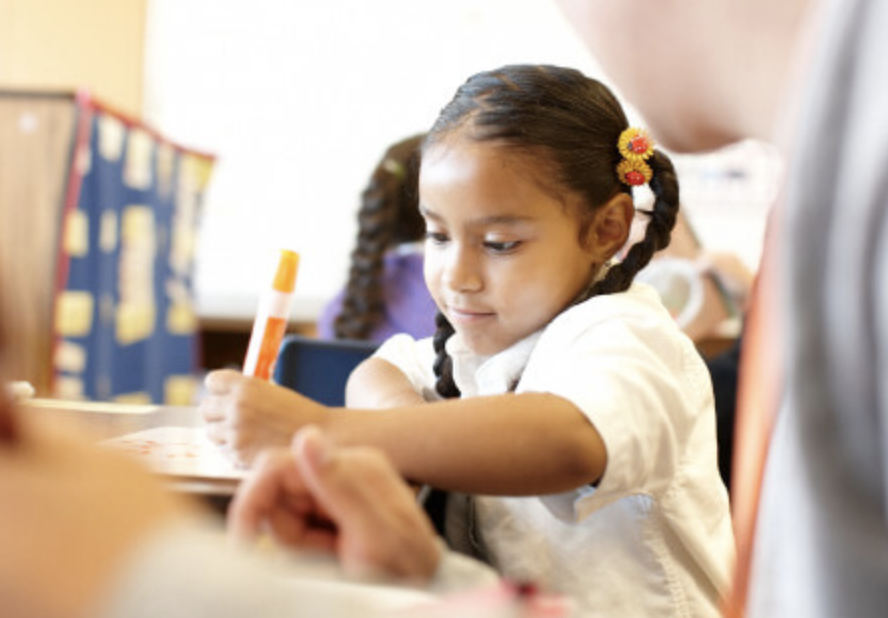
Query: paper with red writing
(179,451)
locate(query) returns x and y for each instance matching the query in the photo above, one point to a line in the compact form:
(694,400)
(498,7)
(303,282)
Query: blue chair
(319,368)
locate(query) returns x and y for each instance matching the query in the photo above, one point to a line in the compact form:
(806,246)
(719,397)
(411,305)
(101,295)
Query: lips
(468,314)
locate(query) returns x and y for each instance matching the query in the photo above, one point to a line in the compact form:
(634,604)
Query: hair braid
(657,234)
(443,367)
(389,216)
(363,302)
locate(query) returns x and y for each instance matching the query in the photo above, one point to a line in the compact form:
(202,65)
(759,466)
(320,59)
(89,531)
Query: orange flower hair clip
(636,146)
(634,173)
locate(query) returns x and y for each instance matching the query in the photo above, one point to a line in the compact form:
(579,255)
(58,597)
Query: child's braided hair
(389,216)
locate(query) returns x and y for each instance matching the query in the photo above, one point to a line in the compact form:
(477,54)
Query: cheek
(431,273)
(534,287)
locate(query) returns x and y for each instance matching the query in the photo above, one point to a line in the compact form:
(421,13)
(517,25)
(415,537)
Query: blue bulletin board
(126,326)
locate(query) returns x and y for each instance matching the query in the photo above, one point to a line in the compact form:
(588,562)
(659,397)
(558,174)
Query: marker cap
(285,277)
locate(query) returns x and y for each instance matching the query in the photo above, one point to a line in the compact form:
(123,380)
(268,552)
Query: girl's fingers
(221,381)
(218,433)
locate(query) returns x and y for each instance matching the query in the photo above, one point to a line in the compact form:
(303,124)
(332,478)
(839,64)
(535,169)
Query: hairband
(636,146)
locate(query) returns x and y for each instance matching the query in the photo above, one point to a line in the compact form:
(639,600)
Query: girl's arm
(525,444)
(246,415)
(378,384)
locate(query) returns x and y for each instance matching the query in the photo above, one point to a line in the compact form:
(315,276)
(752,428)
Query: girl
(562,397)
(385,293)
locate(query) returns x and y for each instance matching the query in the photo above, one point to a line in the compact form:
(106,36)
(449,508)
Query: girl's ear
(611,225)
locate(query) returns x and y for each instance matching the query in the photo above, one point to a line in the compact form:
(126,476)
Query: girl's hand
(246,415)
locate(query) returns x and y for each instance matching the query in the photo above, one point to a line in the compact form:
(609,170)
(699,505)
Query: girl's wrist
(332,422)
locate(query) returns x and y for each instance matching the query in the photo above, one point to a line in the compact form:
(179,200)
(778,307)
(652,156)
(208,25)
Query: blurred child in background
(385,293)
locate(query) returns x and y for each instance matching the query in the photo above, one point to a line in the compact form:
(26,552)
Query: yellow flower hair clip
(635,144)
(634,173)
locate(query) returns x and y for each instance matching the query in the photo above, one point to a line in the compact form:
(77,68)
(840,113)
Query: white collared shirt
(654,537)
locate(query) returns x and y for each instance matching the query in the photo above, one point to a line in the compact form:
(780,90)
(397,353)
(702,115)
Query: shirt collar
(489,375)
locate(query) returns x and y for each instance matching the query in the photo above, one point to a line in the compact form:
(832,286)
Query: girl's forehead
(485,163)
(488,182)
(494,159)
(460,145)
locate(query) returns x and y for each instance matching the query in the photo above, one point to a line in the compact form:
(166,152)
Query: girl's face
(503,256)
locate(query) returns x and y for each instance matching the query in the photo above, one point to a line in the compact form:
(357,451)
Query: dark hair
(389,216)
(571,124)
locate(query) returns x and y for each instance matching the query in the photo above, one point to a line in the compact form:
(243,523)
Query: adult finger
(260,493)
(381,528)
(357,486)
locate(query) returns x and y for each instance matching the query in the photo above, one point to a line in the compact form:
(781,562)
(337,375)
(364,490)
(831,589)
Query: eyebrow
(491,220)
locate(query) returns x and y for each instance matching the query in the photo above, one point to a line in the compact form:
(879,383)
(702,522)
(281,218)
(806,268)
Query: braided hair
(389,216)
(571,124)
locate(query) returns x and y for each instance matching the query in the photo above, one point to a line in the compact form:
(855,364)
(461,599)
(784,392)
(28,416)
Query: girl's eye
(438,238)
(502,247)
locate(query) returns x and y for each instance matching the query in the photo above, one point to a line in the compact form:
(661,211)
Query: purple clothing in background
(409,307)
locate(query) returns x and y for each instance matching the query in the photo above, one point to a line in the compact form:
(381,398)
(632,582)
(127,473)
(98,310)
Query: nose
(461,271)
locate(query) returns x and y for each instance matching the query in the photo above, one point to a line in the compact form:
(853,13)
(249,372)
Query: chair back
(319,368)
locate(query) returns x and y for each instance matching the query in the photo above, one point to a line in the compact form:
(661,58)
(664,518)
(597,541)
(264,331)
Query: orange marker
(271,319)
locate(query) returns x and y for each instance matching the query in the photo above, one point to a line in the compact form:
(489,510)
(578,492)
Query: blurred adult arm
(349,501)
(71,516)
(86,532)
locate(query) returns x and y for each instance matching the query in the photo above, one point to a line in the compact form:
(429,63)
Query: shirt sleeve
(631,380)
(457,572)
(414,358)
(190,571)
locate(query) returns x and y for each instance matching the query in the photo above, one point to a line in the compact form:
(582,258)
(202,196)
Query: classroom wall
(299,99)
(69,44)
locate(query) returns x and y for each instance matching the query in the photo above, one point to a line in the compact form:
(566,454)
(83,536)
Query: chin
(482,346)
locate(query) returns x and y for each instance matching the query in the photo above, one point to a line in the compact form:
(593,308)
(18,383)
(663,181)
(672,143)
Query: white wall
(299,98)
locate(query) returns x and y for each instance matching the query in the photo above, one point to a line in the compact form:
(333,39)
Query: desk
(109,420)
(104,421)
(309,575)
